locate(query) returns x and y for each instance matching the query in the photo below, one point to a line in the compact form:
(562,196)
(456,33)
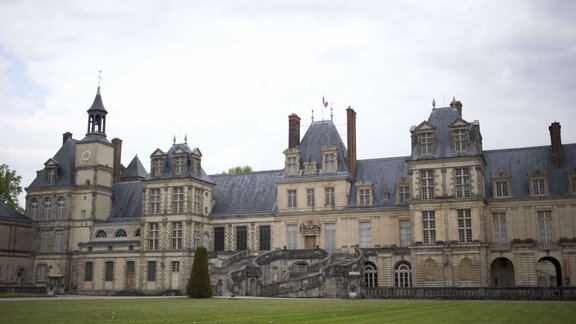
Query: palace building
(449,214)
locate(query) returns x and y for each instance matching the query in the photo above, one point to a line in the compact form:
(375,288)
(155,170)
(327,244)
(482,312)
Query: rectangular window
(83,214)
(157,166)
(264,237)
(197,201)
(499,222)
(329,162)
(154,199)
(50,176)
(462,176)
(291,237)
(310,197)
(464,225)
(59,241)
(176,235)
(330,237)
(329,195)
(153,236)
(61,213)
(460,140)
(109,271)
(47,208)
(364,195)
(33,208)
(42,273)
(291,198)
(365,235)
(130,267)
(175,266)
(403,194)
(405,233)
(88,271)
(426,143)
(429,226)
(179,164)
(218,238)
(151,271)
(538,187)
(44,242)
(545,220)
(427,184)
(178,200)
(501,188)
(241,238)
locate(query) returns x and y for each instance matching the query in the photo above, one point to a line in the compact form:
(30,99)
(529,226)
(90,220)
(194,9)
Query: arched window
(100,234)
(137,233)
(47,207)
(120,233)
(403,274)
(33,208)
(61,207)
(370,275)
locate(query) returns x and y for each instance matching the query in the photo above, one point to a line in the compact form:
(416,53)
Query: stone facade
(450,214)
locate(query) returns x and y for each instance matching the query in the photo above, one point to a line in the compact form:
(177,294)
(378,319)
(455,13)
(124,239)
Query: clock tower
(94,168)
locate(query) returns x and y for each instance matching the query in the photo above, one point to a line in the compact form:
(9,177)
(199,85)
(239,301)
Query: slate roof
(134,171)
(7,213)
(127,201)
(519,163)
(66,158)
(321,133)
(97,105)
(383,174)
(249,193)
(441,119)
(168,167)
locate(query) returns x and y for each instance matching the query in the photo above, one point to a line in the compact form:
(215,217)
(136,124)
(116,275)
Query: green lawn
(222,310)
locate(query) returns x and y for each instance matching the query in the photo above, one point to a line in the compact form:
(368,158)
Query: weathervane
(312,114)
(99,77)
(433,103)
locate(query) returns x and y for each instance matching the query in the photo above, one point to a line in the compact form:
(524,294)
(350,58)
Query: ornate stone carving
(309,227)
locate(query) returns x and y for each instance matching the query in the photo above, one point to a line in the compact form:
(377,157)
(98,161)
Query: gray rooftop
(322,133)
(66,158)
(7,213)
(168,167)
(134,171)
(127,201)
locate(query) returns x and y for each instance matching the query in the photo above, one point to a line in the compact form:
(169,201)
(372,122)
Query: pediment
(196,152)
(291,151)
(179,151)
(459,122)
(157,153)
(328,147)
(425,126)
(51,163)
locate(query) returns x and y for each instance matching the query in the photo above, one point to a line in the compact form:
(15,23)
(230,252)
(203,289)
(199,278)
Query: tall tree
(199,284)
(10,187)
(240,169)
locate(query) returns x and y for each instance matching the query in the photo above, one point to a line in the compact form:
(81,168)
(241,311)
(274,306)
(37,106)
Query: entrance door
(175,278)
(310,242)
(130,275)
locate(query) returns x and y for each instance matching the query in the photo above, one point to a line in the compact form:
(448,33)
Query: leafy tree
(199,284)
(10,187)
(240,169)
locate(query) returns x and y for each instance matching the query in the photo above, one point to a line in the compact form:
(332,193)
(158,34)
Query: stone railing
(291,286)
(515,293)
(290,254)
(500,247)
(547,246)
(394,250)
(235,258)
(24,289)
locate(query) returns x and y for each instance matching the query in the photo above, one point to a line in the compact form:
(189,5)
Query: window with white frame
(176,235)
(499,224)
(42,273)
(426,143)
(501,189)
(460,140)
(158,165)
(292,167)
(33,213)
(370,275)
(364,193)
(405,233)
(61,213)
(464,225)
(51,175)
(403,192)
(197,200)
(59,241)
(178,200)
(545,222)
(292,198)
(291,236)
(154,201)
(462,182)
(429,226)
(45,242)
(330,237)
(310,197)
(47,208)
(179,164)
(153,236)
(175,266)
(329,196)
(329,159)
(402,275)
(365,234)
(538,184)
(427,184)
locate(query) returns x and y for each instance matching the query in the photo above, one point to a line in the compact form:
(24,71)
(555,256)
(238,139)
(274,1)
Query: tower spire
(97,114)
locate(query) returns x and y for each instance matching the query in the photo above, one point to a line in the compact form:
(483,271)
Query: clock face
(86,154)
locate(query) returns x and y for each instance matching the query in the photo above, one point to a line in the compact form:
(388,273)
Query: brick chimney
(117,158)
(293,131)
(556,143)
(351,132)
(65,137)
(456,104)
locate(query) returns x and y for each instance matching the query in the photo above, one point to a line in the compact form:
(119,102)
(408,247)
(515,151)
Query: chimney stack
(351,133)
(117,143)
(293,131)
(65,137)
(456,104)
(556,143)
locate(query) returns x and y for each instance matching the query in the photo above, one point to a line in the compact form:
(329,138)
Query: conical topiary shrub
(199,283)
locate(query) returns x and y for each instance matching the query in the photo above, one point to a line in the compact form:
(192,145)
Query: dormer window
(157,163)
(460,140)
(501,186)
(291,166)
(179,164)
(364,194)
(538,184)
(50,175)
(572,182)
(426,143)
(402,191)
(329,159)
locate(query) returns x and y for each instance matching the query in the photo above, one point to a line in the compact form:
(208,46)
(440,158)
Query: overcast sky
(228,73)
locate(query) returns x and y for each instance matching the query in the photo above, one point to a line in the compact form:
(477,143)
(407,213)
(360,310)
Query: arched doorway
(502,271)
(402,275)
(548,272)
(370,275)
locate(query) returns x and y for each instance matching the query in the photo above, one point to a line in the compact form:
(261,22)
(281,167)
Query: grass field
(236,310)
